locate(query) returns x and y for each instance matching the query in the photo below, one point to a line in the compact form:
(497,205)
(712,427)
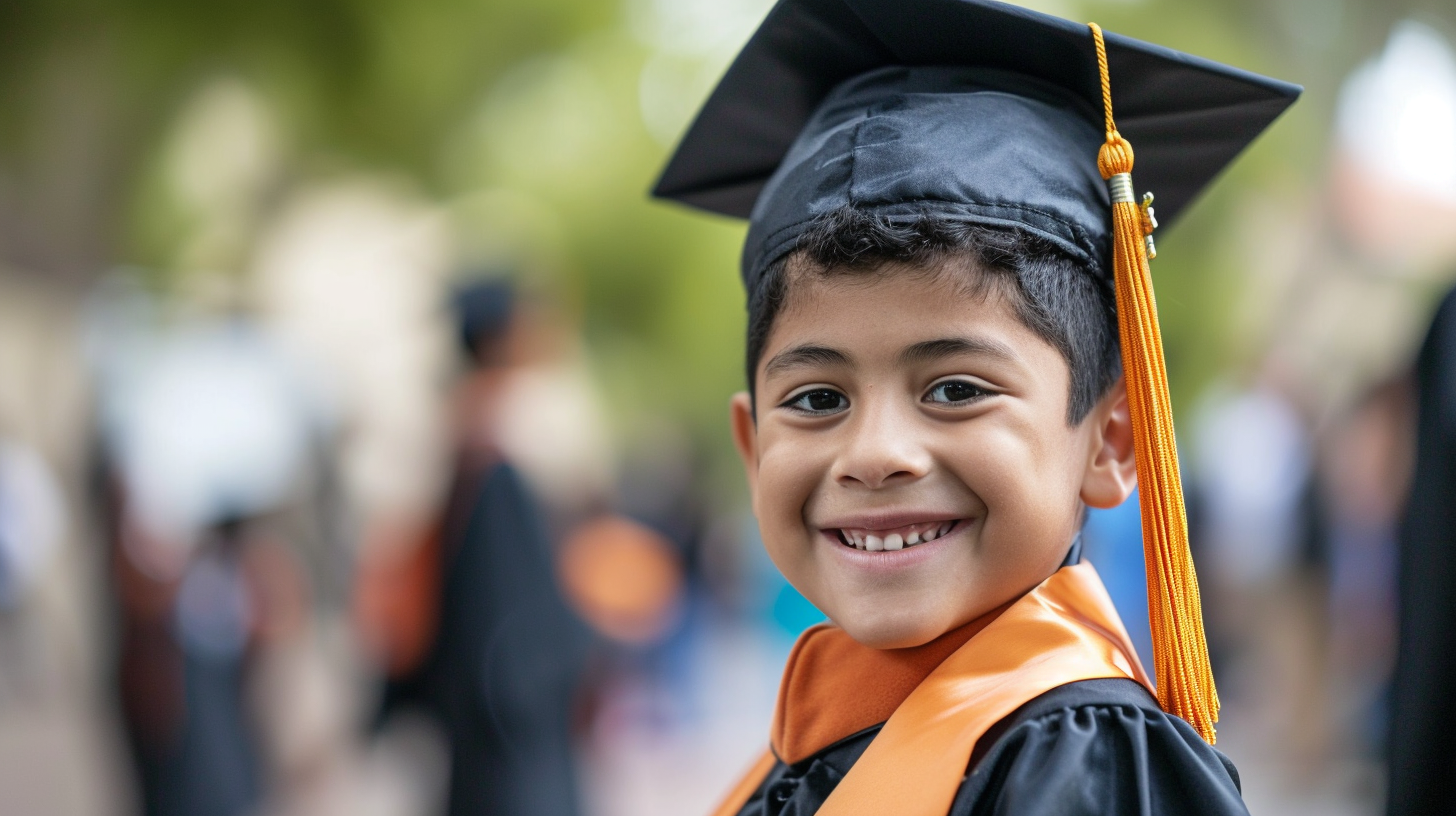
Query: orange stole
(833,686)
(1063,631)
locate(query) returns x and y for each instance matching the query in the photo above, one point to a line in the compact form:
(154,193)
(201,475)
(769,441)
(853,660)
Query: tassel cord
(1180,650)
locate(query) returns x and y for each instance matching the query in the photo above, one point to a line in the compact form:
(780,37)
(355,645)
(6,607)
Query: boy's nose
(883,449)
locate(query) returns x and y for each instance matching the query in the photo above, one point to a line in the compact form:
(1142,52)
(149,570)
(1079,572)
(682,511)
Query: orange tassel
(1180,651)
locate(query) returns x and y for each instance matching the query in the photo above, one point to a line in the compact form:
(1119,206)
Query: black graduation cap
(975,109)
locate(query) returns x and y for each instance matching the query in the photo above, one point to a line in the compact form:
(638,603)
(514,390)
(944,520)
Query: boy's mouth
(897,538)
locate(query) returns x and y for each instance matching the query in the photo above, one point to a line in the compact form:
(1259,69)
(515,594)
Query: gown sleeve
(1097,747)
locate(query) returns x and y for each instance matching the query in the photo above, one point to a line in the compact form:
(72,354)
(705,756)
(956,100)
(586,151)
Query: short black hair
(1065,303)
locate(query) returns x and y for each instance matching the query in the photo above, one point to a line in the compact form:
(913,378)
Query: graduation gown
(507,659)
(1424,712)
(1096,743)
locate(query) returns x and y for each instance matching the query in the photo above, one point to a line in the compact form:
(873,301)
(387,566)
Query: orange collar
(1063,631)
(834,687)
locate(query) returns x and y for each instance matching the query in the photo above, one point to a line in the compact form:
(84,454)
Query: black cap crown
(970,109)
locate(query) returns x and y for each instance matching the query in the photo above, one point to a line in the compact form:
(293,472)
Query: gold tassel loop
(1180,652)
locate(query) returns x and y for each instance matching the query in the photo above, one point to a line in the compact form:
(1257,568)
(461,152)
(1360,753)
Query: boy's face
(911,465)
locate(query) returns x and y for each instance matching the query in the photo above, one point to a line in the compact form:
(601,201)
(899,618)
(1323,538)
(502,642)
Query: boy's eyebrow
(805,355)
(931,350)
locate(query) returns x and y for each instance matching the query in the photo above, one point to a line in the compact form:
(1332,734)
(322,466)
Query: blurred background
(306,308)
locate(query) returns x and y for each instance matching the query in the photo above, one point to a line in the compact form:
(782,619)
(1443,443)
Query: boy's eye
(953,392)
(818,401)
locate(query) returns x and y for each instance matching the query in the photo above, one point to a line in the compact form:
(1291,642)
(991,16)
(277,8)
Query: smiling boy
(952,354)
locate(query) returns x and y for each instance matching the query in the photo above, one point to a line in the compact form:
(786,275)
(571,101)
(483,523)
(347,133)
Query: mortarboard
(992,114)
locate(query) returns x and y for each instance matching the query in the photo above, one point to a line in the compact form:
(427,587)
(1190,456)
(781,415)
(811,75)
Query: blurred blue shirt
(1113,541)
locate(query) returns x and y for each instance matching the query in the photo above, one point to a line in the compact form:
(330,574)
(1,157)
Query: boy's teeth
(863,540)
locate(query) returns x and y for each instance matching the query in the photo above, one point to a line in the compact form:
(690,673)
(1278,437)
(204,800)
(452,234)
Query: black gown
(507,659)
(1424,710)
(1089,747)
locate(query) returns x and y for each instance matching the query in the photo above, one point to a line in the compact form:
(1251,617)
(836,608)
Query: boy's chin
(901,632)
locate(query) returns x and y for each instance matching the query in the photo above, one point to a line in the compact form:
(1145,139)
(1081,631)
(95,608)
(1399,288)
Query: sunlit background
(233,236)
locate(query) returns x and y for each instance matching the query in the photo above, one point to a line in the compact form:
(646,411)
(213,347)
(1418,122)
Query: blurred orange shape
(396,602)
(623,578)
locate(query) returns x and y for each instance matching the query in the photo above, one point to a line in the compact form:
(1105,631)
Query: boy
(952,351)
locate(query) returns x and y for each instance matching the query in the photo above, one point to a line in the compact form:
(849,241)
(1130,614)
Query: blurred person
(1251,475)
(488,643)
(1253,463)
(181,666)
(1393,200)
(630,573)
(1423,717)
(190,650)
(1364,476)
(659,496)
(206,438)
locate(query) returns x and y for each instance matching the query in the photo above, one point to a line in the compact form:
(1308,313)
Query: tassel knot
(1115,156)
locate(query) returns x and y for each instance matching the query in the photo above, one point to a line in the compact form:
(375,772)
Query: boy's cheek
(1009,473)
(782,487)
(788,474)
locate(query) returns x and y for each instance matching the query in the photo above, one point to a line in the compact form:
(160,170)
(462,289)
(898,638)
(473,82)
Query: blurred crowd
(374,494)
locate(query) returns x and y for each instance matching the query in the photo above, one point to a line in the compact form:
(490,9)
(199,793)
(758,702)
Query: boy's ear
(745,435)
(1111,473)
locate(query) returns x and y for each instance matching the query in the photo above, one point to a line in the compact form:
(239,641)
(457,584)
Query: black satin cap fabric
(968,109)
